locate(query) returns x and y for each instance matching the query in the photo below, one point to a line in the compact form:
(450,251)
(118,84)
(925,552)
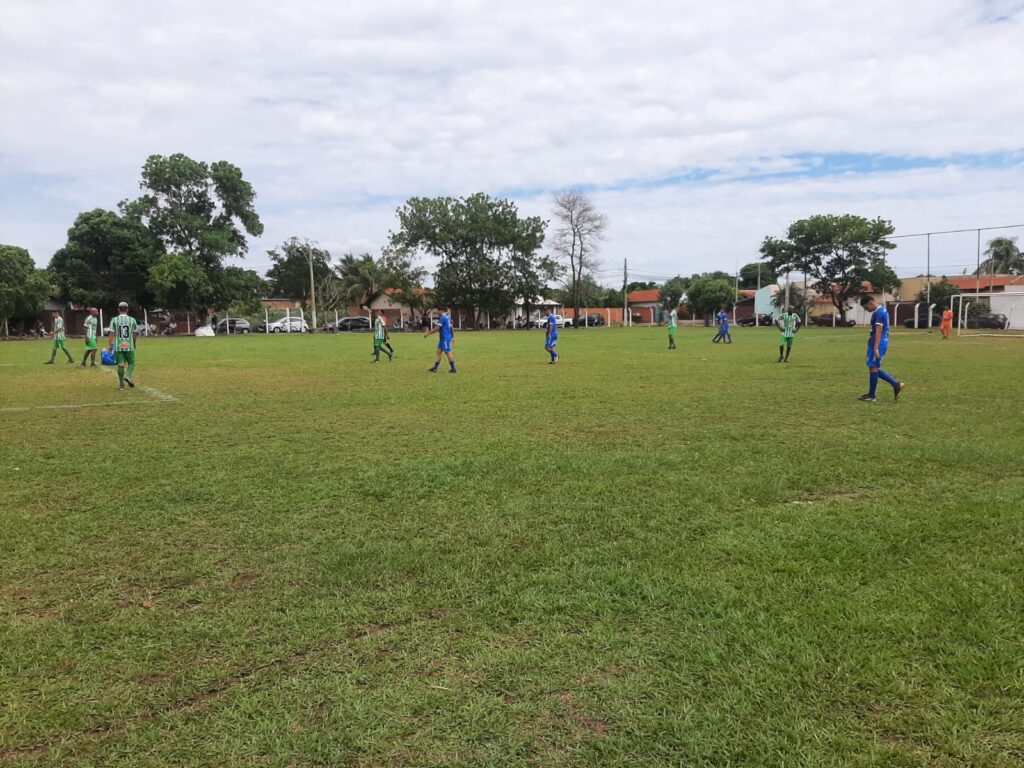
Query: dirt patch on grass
(244,580)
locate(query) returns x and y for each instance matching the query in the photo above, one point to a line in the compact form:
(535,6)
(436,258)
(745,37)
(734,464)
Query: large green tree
(177,282)
(23,288)
(840,253)
(241,290)
(106,260)
(756,275)
(484,249)
(201,213)
(705,295)
(672,292)
(288,276)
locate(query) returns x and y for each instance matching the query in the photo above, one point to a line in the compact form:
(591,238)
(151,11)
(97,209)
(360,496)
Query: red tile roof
(644,297)
(996,281)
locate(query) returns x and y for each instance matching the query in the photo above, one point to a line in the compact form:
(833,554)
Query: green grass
(637,557)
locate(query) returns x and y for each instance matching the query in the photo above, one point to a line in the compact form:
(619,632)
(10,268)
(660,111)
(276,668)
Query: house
(644,306)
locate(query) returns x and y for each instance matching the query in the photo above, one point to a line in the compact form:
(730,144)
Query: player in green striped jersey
(673,322)
(123,333)
(58,339)
(380,334)
(789,323)
(90,336)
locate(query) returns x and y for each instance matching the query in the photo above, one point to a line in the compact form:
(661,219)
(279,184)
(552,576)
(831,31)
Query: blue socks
(888,379)
(884,377)
(451,364)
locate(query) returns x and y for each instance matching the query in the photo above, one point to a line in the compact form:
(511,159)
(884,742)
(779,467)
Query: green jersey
(673,319)
(378,330)
(58,329)
(124,329)
(788,323)
(90,328)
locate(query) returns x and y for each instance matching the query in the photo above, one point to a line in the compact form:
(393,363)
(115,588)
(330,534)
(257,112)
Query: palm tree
(1003,257)
(361,278)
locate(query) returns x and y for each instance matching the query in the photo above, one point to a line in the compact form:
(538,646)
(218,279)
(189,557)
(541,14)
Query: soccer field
(275,553)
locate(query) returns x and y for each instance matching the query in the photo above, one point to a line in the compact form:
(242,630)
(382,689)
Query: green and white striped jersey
(789,322)
(378,329)
(58,329)
(90,328)
(124,329)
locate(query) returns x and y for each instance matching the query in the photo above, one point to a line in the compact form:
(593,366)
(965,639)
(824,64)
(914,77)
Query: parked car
(233,325)
(519,324)
(352,323)
(922,319)
(756,320)
(560,322)
(284,325)
(826,320)
(987,321)
(592,320)
(143,329)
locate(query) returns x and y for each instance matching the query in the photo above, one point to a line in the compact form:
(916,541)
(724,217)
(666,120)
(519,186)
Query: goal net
(999,314)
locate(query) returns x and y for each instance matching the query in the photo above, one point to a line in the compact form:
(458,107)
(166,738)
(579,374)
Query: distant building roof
(996,281)
(652,296)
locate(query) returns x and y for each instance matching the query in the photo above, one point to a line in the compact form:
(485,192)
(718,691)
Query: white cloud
(331,108)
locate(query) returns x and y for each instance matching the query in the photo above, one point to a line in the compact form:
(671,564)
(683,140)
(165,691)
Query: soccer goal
(989,314)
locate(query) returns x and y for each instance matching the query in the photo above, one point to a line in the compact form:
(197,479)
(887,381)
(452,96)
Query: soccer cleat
(452,370)
(83,365)
(94,366)
(129,382)
(431,370)
(121,387)
(898,391)
(50,362)
(867,398)
(786,360)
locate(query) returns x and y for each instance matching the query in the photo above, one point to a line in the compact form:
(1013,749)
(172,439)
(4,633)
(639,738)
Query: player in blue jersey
(878,345)
(723,328)
(551,337)
(444,342)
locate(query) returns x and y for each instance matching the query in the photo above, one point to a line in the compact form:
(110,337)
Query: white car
(297,325)
(560,322)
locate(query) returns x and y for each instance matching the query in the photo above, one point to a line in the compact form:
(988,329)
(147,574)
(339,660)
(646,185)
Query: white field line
(155,395)
(75,405)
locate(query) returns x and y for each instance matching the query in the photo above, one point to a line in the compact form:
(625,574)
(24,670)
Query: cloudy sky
(698,127)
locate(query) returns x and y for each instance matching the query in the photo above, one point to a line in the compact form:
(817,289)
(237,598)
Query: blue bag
(107,357)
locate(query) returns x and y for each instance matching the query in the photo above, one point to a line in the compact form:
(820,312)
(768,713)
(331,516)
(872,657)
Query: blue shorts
(876,362)
(444,345)
(550,343)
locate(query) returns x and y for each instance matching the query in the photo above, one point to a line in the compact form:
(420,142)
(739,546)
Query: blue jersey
(723,320)
(879,324)
(552,327)
(445,326)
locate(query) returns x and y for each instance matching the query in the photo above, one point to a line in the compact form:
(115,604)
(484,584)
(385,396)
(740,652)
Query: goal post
(997,305)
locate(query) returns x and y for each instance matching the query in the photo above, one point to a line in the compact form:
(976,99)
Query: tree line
(172,247)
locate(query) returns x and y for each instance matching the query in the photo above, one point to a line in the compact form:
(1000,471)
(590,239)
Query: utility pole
(625,300)
(928,285)
(312,283)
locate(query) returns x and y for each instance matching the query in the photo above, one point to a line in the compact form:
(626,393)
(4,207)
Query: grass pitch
(279,554)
